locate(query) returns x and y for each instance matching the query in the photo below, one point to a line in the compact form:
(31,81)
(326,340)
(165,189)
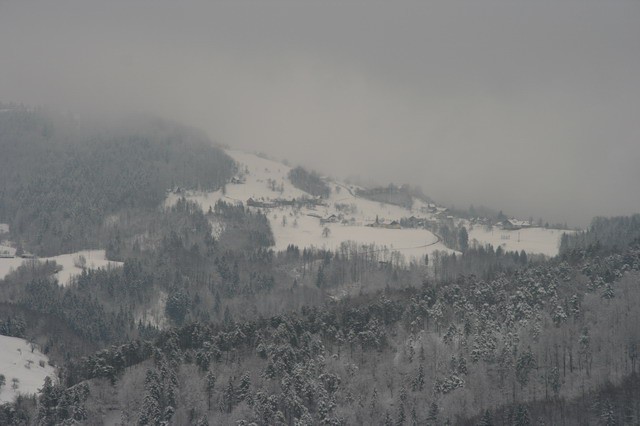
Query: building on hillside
(514,224)
(394,225)
(329,219)
(261,204)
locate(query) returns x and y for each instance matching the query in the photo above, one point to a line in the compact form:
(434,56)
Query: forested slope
(604,234)
(555,334)
(60,177)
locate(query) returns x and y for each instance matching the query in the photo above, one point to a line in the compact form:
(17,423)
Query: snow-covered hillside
(71,263)
(19,361)
(264,180)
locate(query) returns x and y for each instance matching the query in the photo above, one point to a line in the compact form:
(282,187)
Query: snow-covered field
(70,263)
(309,232)
(17,361)
(531,240)
(261,175)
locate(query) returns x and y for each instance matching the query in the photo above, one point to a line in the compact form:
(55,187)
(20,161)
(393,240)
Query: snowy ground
(300,229)
(531,240)
(70,263)
(309,232)
(17,361)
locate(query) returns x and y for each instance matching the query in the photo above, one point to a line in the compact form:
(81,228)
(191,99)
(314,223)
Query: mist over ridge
(529,109)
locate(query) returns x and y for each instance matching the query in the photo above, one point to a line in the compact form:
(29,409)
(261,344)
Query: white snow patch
(19,362)
(4,228)
(8,265)
(71,264)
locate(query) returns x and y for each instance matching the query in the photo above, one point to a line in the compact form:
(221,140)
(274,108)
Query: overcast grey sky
(529,107)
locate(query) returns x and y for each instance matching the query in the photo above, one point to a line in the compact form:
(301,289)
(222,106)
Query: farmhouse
(514,224)
(329,219)
(261,204)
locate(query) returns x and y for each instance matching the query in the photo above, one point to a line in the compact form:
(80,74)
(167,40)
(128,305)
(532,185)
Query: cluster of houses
(281,202)
(383,224)
(411,222)
(434,209)
(333,218)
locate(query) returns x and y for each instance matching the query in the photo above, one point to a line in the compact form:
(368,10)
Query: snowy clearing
(71,264)
(532,240)
(17,361)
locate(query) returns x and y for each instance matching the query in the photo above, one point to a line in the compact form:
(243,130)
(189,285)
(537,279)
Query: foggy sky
(529,107)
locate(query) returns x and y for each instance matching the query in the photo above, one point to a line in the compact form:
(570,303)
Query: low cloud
(529,108)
